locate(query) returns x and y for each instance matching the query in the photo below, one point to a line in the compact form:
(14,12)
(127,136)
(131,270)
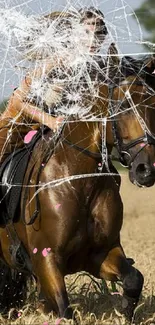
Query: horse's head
(133,126)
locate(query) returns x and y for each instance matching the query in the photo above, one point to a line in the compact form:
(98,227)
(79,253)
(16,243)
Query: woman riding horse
(80,214)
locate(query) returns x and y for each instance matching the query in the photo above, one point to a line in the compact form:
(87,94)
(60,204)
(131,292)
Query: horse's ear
(149,71)
(149,64)
(113,61)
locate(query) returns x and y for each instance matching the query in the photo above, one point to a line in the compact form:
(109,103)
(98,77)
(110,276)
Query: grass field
(95,305)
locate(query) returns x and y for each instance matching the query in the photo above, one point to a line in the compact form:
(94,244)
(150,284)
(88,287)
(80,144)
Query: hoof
(128,307)
(69,313)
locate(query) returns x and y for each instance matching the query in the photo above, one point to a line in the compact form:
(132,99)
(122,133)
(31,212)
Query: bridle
(122,148)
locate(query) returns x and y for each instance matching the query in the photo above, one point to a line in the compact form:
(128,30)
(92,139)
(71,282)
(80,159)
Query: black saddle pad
(12,173)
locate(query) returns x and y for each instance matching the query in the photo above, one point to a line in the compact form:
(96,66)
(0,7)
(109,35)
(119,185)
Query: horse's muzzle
(142,175)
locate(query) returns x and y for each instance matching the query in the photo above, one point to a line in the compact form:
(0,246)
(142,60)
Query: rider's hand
(56,123)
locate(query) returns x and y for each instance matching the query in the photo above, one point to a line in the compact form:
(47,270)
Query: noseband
(122,148)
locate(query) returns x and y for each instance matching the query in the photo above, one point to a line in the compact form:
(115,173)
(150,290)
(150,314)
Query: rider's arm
(33,112)
(19,105)
(36,74)
(18,100)
(45,68)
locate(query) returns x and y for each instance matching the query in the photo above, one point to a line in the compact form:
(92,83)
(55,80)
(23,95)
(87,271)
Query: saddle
(12,173)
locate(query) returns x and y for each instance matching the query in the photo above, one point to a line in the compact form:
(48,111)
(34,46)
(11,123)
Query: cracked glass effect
(71,60)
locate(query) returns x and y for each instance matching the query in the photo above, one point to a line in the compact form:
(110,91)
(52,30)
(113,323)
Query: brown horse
(81,212)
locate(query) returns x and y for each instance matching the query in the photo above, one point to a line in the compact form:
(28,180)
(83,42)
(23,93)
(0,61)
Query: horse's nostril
(143,169)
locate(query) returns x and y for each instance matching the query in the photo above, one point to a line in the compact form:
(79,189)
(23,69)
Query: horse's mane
(143,68)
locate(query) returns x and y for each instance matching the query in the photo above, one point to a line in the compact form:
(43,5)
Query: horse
(80,211)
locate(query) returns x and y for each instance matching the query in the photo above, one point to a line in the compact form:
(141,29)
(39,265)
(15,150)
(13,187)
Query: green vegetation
(146,14)
(3,105)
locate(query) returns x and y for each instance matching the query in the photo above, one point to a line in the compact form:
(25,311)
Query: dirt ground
(94,304)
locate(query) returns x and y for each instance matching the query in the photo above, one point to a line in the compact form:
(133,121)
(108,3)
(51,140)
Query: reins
(87,152)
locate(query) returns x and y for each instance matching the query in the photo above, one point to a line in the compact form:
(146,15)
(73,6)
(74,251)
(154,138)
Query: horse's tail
(13,288)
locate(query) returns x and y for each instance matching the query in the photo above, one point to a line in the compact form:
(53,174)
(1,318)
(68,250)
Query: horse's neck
(109,136)
(102,105)
(89,135)
(84,134)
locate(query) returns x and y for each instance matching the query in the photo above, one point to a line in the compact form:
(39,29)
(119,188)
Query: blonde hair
(62,18)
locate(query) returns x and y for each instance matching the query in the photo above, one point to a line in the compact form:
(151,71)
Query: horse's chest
(77,250)
(97,232)
(77,241)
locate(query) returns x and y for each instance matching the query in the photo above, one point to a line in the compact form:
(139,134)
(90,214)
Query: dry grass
(94,304)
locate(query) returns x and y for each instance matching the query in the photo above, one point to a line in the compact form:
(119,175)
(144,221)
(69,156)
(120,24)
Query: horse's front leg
(50,275)
(115,267)
(107,259)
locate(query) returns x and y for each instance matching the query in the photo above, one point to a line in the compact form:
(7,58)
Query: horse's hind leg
(116,267)
(13,289)
(50,276)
